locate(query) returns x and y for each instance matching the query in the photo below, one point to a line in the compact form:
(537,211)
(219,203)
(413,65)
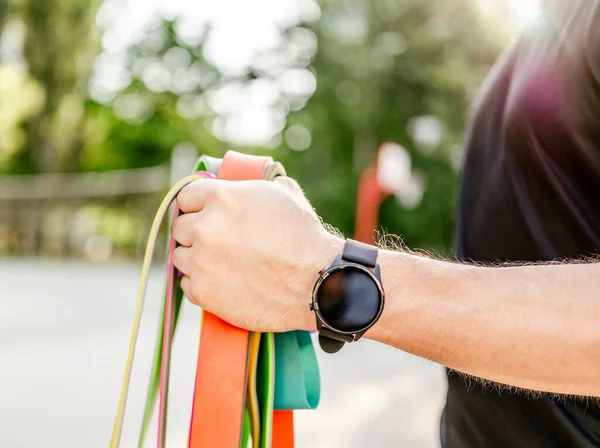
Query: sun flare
(516,13)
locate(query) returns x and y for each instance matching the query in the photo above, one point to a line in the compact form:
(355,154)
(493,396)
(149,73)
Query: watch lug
(319,324)
(357,336)
(377,272)
(338,260)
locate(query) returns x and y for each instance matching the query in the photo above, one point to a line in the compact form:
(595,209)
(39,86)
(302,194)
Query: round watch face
(348,299)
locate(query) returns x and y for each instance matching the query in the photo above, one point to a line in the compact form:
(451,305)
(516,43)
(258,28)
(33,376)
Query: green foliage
(380,66)
(140,127)
(59,49)
(120,228)
(20,98)
(3,13)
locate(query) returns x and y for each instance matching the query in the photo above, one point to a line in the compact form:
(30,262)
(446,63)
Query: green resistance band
(297,380)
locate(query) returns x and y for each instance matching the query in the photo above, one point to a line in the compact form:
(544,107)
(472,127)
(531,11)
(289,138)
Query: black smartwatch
(348,297)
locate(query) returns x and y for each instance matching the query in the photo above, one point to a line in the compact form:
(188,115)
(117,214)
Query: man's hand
(251,252)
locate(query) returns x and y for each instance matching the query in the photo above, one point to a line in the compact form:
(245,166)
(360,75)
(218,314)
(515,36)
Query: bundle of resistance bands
(247,384)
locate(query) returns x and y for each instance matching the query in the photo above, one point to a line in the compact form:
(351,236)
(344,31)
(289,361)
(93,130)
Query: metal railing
(93,215)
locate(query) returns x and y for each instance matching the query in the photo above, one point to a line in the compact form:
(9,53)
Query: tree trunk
(3,14)
(59,49)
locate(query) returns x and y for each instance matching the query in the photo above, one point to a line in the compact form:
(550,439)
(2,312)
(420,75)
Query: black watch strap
(354,252)
(332,342)
(360,253)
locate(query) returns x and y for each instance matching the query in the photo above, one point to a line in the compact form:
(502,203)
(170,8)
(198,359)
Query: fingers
(188,291)
(186,286)
(183,228)
(183,259)
(193,197)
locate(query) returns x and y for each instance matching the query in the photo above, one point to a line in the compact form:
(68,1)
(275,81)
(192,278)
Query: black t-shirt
(531,192)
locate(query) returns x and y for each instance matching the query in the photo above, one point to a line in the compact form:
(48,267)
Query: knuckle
(296,186)
(226,194)
(199,294)
(193,292)
(212,230)
(198,229)
(215,192)
(192,295)
(291,186)
(206,268)
(176,226)
(288,182)
(177,257)
(204,233)
(199,260)
(190,289)
(183,197)
(224,197)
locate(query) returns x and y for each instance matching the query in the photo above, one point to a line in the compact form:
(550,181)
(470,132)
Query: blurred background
(105,103)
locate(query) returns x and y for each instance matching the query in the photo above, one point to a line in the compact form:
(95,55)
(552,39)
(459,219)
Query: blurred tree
(399,71)
(365,72)
(59,50)
(3,13)
(384,70)
(20,97)
(158,108)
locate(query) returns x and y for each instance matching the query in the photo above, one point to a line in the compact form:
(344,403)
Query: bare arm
(535,327)
(251,252)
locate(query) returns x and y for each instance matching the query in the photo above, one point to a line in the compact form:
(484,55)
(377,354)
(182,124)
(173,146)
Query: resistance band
(246,383)
(222,368)
(143,286)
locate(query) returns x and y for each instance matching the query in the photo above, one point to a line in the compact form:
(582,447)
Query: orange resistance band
(220,388)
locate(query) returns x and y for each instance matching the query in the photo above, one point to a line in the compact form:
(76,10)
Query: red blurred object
(388,174)
(369,199)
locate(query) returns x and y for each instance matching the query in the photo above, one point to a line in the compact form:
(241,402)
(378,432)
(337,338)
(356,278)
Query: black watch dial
(348,299)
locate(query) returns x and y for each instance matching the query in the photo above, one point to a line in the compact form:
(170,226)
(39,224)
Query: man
(533,327)
(531,192)
(531,187)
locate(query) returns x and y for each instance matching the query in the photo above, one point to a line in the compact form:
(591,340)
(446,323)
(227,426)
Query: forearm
(535,327)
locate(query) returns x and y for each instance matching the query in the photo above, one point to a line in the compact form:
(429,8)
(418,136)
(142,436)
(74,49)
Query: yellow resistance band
(158,219)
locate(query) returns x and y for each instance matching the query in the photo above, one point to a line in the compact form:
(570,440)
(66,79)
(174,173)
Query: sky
(255,21)
(240,30)
(524,12)
(241,27)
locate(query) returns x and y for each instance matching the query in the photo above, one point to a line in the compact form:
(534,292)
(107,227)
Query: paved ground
(64,328)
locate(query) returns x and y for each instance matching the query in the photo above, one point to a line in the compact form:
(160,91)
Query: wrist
(423,299)
(348,297)
(325,252)
(396,275)
(416,288)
